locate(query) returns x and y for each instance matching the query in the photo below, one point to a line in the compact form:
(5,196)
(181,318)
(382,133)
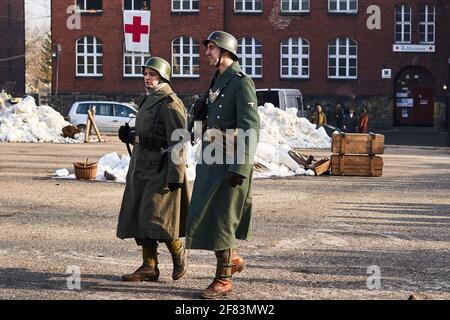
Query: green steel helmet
(225,41)
(160,65)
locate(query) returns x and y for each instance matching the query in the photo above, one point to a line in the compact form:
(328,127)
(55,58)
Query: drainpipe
(225,22)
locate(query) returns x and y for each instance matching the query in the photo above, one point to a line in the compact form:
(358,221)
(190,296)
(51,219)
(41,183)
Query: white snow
(280,132)
(26,122)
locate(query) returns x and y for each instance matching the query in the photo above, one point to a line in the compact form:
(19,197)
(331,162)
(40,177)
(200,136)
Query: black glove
(126,134)
(234,179)
(174,186)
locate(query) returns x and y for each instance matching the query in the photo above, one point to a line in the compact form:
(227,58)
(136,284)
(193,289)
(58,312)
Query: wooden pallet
(356,165)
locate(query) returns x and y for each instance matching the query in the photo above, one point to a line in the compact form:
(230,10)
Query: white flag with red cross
(136,26)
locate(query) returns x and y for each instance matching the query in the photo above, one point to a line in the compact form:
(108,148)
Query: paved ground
(313,237)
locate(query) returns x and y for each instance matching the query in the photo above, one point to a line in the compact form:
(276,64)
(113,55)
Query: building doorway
(414,98)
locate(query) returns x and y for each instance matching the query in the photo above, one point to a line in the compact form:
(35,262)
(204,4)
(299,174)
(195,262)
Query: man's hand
(174,186)
(126,134)
(234,179)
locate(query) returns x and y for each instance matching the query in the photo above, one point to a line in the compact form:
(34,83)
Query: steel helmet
(225,41)
(160,65)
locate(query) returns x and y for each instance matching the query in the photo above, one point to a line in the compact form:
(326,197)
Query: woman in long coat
(156,198)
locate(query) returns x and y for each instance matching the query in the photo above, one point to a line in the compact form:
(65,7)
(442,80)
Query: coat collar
(222,79)
(155,97)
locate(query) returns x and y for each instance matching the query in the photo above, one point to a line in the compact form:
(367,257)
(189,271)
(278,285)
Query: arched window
(249,53)
(427,20)
(403,24)
(185,57)
(342,59)
(294,58)
(133,62)
(89,56)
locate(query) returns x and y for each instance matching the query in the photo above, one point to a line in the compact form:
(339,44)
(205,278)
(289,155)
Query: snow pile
(284,127)
(113,164)
(26,122)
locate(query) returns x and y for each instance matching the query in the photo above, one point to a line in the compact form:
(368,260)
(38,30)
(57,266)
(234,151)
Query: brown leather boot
(218,288)
(238,264)
(222,282)
(143,273)
(179,264)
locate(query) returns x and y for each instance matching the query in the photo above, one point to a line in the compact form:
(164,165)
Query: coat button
(222,95)
(220,106)
(218,117)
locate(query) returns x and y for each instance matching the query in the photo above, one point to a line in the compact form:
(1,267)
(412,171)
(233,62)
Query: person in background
(350,121)
(363,124)
(318,117)
(338,116)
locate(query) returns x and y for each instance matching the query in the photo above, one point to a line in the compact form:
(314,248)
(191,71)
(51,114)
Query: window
(89,5)
(343,6)
(185,57)
(427,19)
(342,59)
(89,57)
(248,5)
(133,62)
(294,58)
(294,5)
(403,24)
(122,111)
(249,53)
(185,5)
(82,108)
(136,5)
(103,109)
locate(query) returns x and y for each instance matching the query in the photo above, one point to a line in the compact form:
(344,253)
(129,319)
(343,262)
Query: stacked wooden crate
(355,154)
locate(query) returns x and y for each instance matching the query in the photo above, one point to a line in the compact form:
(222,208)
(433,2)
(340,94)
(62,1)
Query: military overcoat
(149,209)
(218,213)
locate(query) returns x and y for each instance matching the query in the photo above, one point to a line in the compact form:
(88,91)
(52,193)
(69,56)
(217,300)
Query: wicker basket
(85,171)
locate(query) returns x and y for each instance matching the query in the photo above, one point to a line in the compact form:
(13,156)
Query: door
(423,106)
(414,97)
(104,116)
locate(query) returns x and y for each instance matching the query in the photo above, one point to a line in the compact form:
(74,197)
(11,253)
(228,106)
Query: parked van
(109,115)
(282,98)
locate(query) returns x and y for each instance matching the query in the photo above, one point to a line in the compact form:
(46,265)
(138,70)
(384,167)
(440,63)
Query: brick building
(12,45)
(392,56)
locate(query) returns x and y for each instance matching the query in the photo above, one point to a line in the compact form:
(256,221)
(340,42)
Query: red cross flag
(137,29)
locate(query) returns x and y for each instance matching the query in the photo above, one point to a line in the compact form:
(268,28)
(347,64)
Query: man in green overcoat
(156,198)
(221,205)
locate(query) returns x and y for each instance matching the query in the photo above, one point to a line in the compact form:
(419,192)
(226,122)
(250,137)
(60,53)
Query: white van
(282,98)
(109,115)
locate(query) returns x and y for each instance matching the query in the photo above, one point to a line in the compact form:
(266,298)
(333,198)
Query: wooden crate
(357,143)
(356,165)
(321,166)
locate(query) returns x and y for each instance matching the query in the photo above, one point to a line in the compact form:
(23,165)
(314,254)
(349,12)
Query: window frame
(253,10)
(402,23)
(143,55)
(191,2)
(95,54)
(85,2)
(132,5)
(300,10)
(337,56)
(300,56)
(426,23)
(191,55)
(338,7)
(254,43)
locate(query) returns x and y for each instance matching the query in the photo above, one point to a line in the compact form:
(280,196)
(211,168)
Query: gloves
(234,179)
(174,186)
(126,134)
